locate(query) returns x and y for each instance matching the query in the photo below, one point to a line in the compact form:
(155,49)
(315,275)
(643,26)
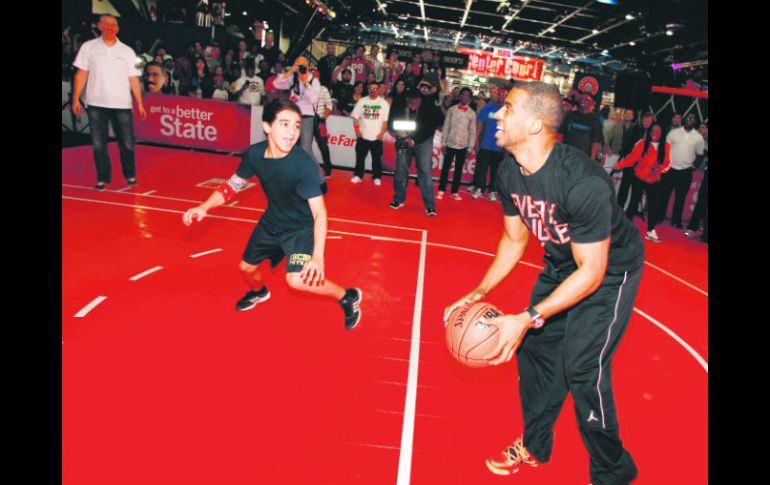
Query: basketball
(469,339)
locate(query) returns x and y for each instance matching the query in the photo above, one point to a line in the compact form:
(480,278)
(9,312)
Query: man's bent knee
(248,268)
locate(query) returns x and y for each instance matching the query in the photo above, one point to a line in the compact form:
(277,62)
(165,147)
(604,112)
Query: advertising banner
(195,123)
(518,68)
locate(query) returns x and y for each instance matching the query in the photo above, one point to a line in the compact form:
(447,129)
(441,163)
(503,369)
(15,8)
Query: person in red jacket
(649,160)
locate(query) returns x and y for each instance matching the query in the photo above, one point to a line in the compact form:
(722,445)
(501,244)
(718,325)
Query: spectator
(342,94)
(327,64)
(488,154)
(701,210)
(155,78)
(676,122)
(361,65)
(393,69)
(458,137)
(621,140)
(108,98)
(378,68)
(370,120)
(221,86)
(686,153)
(337,74)
(323,109)
(581,129)
(397,94)
(203,14)
(271,91)
(243,50)
(358,93)
(304,90)
(184,70)
(248,88)
(171,75)
(202,82)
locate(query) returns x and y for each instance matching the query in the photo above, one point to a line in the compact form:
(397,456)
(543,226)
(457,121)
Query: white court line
(233,203)
(123,189)
(676,278)
(84,311)
(333,237)
(145,273)
(676,337)
(250,208)
(149,192)
(407,431)
(204,253)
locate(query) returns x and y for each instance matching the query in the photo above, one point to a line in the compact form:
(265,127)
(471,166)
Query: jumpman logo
(591,417)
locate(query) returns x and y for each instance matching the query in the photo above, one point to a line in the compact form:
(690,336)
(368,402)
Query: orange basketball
(469,339)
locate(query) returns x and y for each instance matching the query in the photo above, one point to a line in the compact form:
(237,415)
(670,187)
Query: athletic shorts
(266,244)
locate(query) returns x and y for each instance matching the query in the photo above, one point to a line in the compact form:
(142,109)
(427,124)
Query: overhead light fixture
(245,13)
(363,26)
(630,17)
(669,32)
(594,31)
(608,2)
(465,15)
(632,43)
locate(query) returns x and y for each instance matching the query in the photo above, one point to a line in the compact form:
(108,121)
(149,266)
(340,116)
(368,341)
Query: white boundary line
(145,273)
(204,253)
(676,337)
(149,192)
(245,208)
(84,311)
(407,431)
(677,278)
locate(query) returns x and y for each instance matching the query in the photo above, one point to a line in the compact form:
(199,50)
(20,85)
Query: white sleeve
(132,70)
(81,60)
(357,110)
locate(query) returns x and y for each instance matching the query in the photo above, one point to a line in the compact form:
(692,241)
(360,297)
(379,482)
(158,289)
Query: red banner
(519,68)
(195,123)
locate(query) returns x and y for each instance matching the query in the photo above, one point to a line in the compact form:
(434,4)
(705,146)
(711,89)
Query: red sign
(196,123)
(519,68)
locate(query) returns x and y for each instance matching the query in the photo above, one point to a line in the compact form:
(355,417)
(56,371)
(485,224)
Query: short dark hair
(274,107)
(466,88)
(543,100)
(153,63)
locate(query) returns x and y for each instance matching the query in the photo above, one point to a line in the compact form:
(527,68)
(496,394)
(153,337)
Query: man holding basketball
(294,224)
(582,301)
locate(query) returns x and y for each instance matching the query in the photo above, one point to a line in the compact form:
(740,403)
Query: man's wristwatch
(537,319)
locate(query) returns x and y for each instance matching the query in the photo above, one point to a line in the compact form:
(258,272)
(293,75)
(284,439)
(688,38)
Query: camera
(403,129)
(302,69)
(402,144)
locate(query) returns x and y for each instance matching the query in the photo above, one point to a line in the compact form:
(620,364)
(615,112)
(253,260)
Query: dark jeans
(655,208)
(572,353)
(323,145)
(678,181)
(362,148)
(458,156)
(486,159)
(122,123)
(626,186)
(701,207)
(423,152)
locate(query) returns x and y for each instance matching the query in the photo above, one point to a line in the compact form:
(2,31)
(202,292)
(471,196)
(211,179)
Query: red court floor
(164,382)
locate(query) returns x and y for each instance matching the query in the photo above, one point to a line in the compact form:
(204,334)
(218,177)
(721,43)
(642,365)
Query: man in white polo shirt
(107,70)
(686,153)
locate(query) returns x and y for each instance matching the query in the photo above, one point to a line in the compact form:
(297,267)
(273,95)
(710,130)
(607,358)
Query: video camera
(403,129)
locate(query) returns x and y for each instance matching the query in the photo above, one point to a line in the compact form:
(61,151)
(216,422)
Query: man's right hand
(472,297)
(194,214)
(77,110)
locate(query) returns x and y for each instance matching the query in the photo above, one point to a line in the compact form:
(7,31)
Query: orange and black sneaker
(511,459)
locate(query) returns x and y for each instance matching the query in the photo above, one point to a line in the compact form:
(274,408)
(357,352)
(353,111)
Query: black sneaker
(431,212)
(396,205)
(100,186)
(351,305)
(251,299)
(131,182)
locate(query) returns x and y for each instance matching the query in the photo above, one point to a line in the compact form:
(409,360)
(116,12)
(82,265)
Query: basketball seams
(467,354)
(482,308)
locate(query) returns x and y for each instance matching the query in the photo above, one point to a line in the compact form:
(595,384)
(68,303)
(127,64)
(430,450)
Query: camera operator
(417,144)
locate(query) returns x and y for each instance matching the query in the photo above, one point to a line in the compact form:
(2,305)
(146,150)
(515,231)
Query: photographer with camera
(304,90)
(425,118)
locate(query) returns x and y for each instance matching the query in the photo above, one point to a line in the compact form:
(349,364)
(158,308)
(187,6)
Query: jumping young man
(581,302)
(294,224)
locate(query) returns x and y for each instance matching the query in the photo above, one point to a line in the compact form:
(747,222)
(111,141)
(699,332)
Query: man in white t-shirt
(370,120)
(686,153)
(108,73)
(248,88)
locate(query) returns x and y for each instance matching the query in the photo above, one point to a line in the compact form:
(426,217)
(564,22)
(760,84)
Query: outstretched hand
(194,214)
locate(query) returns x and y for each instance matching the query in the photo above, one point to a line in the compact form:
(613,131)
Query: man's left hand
(512,331)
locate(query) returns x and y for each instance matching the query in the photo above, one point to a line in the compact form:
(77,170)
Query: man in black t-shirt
(582,129)
(294,224)
(581,302)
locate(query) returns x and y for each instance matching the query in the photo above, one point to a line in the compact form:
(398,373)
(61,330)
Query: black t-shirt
(571,198)
(287,182)
(631,135)
(581,130)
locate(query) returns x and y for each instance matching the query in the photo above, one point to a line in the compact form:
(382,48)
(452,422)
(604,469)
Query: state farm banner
(518,68)
(195,123)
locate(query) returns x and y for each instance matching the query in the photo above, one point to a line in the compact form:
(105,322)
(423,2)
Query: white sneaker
(493,196)
(652,236)
(456,196)
(471,189)
(356,179)
(477,194)
(377,182)
(440,195)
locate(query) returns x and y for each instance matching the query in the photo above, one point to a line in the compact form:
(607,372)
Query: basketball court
(164,382)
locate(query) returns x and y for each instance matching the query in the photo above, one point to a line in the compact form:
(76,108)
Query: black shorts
(266,244)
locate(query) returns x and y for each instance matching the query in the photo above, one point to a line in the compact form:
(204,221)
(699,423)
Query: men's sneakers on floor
(377,182)
(493,196)
(440,195)
(471,189)
(396,205)
(131,182)
(688,232)
(430,212)
(100,186)
(351,305)
(510,459)
(652,236)
(476,194)
(456,196)
(252,298)
(355,179)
